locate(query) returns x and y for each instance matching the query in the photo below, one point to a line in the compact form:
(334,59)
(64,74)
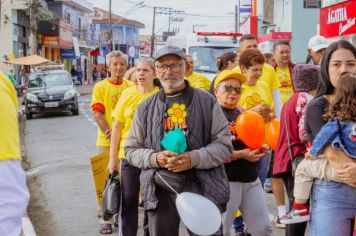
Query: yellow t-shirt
(107,94)
(9,126)
(198,80)
(268,76)
(125,110)
(252,96)
(286,88)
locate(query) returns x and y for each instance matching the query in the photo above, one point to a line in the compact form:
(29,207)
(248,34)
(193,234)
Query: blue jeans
(239,224)
(333,209)
(262,167)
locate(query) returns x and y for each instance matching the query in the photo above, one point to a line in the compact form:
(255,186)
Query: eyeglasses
(229,89)
(175,67)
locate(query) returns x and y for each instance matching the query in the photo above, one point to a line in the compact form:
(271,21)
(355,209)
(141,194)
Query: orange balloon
(250,128)
(272,133)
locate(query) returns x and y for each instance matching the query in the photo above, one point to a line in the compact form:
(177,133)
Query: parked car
(50,91)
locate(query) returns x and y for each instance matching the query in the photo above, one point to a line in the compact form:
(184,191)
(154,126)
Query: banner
(99,164)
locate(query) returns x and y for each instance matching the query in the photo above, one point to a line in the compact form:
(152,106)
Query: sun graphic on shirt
(254,100)
(177,113)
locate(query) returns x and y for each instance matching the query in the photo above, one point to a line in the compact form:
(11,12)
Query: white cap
(317,42)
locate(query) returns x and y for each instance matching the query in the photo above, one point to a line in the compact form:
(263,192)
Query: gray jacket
(209,142)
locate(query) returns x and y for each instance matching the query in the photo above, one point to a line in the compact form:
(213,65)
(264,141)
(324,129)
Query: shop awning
(29,60)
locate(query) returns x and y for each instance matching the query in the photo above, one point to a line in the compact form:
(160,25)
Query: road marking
(86,115)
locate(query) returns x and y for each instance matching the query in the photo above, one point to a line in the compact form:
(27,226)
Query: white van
(205,47)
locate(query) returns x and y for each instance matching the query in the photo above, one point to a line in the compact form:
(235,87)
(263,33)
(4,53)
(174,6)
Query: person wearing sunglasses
(246,192)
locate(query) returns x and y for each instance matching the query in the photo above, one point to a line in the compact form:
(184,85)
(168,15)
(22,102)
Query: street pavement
(58,148)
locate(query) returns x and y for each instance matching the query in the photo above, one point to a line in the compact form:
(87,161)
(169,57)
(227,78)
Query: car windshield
(49,80)
(205,57)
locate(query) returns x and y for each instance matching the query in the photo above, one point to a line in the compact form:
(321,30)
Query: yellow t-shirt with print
(198,80)
(125,110)
(286,88)
(9,126)
(268,76)
(107,94)
(252,96)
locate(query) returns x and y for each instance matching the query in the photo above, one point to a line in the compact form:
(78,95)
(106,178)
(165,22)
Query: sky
(207,15)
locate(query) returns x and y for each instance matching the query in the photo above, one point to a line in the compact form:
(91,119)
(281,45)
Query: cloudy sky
(207,15)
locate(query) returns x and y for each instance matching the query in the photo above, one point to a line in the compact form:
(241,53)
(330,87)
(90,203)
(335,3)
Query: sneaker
(279,224)
(268,186)
(240,234)
(296,216)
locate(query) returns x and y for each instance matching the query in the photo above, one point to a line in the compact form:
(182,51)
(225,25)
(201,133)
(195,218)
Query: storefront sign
(49,41)
(65,34)
(338,20)
(67,54)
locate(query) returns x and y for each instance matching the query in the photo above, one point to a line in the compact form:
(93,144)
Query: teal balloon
(175,141)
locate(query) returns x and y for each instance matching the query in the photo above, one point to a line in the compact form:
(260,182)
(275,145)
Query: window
(79,25)
(24,31)
(312,4)
(68,18)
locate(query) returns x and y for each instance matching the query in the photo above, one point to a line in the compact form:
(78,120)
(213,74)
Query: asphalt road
(58,148)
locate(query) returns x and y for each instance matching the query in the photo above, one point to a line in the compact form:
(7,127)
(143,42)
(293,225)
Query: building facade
(14,31)
(125,35)
(296,20)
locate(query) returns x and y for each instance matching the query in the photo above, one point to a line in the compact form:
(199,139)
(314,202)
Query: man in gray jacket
(199,116)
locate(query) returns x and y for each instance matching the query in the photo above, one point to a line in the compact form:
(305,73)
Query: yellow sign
(99,164)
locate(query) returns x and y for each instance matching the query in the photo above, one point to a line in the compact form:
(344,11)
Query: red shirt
(282,161)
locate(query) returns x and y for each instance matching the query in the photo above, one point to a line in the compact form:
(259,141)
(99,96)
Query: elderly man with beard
(178,106)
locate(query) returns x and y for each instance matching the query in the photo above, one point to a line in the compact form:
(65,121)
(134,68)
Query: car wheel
(29,116)
(75,112)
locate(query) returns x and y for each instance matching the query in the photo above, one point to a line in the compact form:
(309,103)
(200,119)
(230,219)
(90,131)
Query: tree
(38,11)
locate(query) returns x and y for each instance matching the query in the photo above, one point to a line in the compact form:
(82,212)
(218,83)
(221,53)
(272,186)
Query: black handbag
(111,196)
(176,181)
(294,160)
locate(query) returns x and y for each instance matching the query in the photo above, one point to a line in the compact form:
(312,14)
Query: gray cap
(170,50)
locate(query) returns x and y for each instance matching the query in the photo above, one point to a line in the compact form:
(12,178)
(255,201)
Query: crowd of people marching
(138,110)
(313,160)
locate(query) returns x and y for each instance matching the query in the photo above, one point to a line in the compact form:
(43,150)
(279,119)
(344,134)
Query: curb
(27,227)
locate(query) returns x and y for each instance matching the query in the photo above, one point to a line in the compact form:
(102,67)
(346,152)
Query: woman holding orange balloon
(257,96)
(246,192)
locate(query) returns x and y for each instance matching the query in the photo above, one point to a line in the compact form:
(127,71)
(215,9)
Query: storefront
(339,21)
(52,44)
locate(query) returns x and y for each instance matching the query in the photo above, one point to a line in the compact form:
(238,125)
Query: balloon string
(166,183)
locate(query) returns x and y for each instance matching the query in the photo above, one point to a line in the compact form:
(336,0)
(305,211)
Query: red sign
(275,36)
(338,20)
(48,40)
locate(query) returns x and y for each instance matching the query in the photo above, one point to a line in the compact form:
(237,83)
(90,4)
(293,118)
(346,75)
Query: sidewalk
(85,88)
(27,227)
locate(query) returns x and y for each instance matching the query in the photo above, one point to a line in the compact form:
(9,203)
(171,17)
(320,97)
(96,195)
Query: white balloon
(199,214)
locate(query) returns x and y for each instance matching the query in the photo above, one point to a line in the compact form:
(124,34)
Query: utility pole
(236,15)
(169,19)
(153,32)
(162,11)
(111,46)
(34,14)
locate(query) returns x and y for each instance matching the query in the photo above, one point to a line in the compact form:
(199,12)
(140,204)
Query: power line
(187,14)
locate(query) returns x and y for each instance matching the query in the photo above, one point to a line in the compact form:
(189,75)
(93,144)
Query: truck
(205,47)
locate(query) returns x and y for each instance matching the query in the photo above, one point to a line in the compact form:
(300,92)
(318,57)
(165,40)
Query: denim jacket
(340,134)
